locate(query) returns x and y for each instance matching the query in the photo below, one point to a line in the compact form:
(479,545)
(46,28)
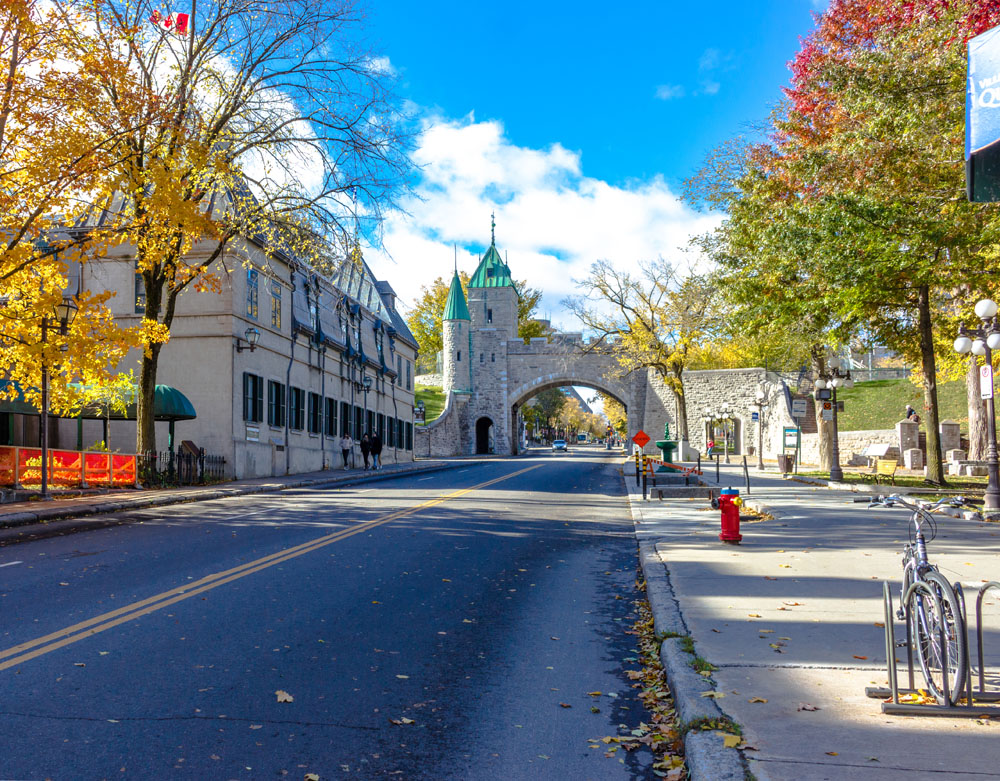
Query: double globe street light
(826,384)
(983,341)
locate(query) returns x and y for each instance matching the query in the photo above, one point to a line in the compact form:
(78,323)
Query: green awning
(168,404)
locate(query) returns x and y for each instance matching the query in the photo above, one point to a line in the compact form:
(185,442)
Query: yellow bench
(884,468)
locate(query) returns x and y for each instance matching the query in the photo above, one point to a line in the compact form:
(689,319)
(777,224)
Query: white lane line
(363,491)
(425,478)
(11,563)
(461,471)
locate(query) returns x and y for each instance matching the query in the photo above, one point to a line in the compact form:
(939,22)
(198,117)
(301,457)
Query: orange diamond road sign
(641,438)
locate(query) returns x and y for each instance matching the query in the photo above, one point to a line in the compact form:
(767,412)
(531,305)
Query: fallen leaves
(284,696)
(860,657)
(757,699)
(731,741)
(714,695)
(807,707)
(565,705)
(401,721)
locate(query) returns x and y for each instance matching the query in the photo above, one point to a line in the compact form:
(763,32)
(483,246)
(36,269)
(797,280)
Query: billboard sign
(982,118)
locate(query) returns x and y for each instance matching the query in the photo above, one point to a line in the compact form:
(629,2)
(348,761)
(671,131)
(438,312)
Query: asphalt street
(426,627)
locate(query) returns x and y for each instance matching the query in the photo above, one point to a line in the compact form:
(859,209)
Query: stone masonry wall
(852,445)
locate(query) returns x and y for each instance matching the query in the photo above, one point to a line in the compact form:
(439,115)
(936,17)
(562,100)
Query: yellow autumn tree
(653,318)
(257,130)
(52,159)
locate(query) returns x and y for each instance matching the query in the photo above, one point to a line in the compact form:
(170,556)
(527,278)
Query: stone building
(278,363)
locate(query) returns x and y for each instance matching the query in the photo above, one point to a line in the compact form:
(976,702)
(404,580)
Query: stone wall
(852,445)
(443,436)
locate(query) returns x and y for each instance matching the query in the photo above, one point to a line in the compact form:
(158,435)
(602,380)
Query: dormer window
(489,271)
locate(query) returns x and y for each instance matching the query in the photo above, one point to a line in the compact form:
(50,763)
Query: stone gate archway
(484,436)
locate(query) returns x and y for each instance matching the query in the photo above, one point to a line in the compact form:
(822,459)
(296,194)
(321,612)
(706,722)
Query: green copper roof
(455,307)
(492,271)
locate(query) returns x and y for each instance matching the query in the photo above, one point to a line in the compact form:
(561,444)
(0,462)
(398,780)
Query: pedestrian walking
(376,451)
(366,447)
(346,446)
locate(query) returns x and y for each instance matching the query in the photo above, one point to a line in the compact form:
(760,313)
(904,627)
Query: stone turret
(492,295)
(456,339)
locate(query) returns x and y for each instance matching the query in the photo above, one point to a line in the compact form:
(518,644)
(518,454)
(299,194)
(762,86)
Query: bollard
(729,504)
(643,483)
(637,478)
(746,474)
(699,463)
(717,469)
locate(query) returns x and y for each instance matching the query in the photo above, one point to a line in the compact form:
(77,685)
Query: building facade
(331,355)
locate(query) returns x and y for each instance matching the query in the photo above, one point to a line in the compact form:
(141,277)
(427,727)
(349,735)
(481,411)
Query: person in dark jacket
(376,451)
(366,448)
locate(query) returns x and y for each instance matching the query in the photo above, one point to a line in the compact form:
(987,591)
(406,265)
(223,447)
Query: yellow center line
(71,634)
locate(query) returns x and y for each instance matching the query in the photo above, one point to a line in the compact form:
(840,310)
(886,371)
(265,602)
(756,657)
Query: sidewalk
(791,617)
(70,513)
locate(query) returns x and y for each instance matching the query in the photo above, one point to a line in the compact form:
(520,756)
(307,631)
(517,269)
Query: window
(459,359)
(370,423)
(380,422)
(275,403)
(409,436)
(482,357)
(253,398)
(296,408)
(358,420)
(399,368)
(252,278)
(276,304)
(400,433)
(315,413)
(489,315)
(140,292)
(345,418)
(489,271)
(390,432)
(331,418)
(408,375)
(493,357)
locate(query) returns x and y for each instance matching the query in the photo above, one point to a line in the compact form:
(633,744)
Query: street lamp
(65,313)
(760,401)
(709,417)
(983,341)
(366,381)
(831,378)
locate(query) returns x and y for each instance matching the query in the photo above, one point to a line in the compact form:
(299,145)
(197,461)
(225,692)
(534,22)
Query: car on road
(559,444)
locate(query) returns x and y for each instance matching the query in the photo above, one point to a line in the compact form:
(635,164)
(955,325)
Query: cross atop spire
(493,226)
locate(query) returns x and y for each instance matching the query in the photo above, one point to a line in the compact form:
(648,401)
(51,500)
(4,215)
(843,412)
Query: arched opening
(535,424)
(484,436)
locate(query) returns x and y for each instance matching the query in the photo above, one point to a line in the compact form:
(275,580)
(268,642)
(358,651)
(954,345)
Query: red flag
(177,23)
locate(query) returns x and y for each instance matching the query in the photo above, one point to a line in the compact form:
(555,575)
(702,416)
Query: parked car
(559,444)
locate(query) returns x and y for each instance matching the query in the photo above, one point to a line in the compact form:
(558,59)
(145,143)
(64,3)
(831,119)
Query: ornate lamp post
(832,378)
(760,402)
(65,313)
(366,381)
(983,341)
(709,417)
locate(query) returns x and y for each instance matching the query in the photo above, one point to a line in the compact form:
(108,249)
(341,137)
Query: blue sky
(576,122)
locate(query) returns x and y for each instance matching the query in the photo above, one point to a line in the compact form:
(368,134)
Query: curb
(706,757)
(70,519)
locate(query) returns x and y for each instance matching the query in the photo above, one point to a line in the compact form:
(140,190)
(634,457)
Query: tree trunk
(145,426)
(977,412)
(935,469)
(823,427)
(682,418)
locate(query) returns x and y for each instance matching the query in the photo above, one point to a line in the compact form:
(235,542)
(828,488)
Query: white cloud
(553,221)
(670,91)
(709,87)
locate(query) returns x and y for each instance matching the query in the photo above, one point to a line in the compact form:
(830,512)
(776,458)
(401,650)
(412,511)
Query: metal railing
(181,468)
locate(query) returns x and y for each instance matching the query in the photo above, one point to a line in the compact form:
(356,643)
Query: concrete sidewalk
(791,618)
(68,513)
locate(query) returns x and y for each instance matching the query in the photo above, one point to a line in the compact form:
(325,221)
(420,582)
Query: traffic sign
(798,408)
(641,438)
(827,413)
(986,381)
(754,416)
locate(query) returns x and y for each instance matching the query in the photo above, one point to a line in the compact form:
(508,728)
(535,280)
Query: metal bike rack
(974,703)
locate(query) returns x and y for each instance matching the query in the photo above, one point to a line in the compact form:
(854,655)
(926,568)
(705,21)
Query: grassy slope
(882,403)
(433,398)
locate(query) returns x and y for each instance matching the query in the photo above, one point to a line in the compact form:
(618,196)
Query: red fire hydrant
(729,504)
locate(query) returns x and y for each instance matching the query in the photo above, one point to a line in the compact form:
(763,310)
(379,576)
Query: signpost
(792,439)
(641,438)
(799,408)
(827,412)
(982,118)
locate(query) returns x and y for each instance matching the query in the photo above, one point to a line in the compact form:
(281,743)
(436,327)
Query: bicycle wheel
(931,622)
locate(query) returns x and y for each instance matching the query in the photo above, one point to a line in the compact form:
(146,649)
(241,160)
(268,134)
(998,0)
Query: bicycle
(928,603)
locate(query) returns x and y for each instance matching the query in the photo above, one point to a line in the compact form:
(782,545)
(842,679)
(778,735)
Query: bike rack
(974,704)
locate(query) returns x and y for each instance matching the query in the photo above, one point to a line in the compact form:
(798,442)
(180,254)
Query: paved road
(472,602)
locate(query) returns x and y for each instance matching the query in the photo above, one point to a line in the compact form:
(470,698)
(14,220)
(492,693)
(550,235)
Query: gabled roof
(491,271)
(455,307)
